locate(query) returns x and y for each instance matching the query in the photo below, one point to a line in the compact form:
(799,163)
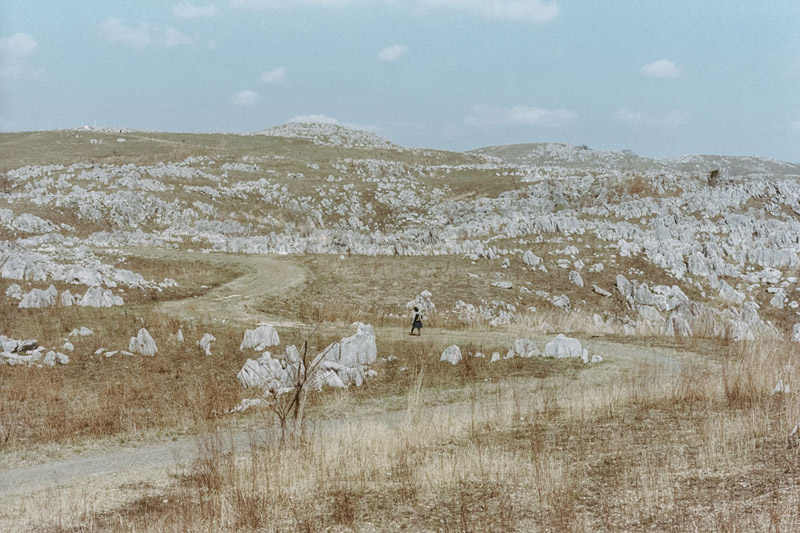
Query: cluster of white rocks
(573,212)
(28,353)
(560,347)
(341,364)
(40,298)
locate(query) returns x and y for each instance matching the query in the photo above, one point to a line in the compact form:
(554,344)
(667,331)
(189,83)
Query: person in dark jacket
(416,323)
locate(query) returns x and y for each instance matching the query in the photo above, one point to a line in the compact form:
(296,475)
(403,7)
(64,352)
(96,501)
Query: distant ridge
(582,157)
(331,135)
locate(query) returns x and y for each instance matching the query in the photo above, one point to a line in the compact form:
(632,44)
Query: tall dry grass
(644,447)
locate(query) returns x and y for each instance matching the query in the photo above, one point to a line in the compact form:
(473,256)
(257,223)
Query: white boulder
(263,335)
(451,354)
(562,347)
(38,298)
(350,356)
(99,297)
(205,343)
(143,343)
(522,348)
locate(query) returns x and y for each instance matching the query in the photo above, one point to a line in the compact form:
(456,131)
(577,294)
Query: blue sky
(658,78)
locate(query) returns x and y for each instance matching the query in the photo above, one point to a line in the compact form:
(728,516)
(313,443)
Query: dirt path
(234,301)
(151,464)
(175,454)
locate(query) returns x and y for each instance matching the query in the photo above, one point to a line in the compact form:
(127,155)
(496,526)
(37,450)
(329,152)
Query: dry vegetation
(619,448)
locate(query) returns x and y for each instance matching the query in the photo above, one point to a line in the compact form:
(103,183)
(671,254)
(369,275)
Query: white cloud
(392,53)
(673,119)
(18,46)
(528,10)
(142,35)
(14,54)
(115,31)
(482,116)
(315,119)
(173,37)
(245,98)
(276,75)
(663,68)
(187,10)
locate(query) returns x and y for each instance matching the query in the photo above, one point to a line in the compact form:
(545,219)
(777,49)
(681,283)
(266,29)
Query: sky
(659,78)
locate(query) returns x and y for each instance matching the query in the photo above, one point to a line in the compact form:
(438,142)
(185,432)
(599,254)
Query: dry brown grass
(625,449)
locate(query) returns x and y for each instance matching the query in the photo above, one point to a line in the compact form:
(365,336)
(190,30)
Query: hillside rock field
(610,341)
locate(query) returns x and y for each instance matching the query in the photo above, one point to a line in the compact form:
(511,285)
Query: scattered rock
(522,348)
(451,354)
(265,335)
(143,343)
(562,347)
(205,343)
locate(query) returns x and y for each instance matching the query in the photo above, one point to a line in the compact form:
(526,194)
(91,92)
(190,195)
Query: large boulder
(264,335)
(562,347)
(99,297)
(350,356)
(729,294)
(531,259)
(522,348)
(796,333)
(451,354)
(143,343)
(38,298)
(677,326)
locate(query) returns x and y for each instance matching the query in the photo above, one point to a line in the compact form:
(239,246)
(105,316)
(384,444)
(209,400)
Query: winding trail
(261,275)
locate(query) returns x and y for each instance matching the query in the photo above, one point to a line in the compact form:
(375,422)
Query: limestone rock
(522,348)
(350,356)
(98,297)
(531,259)
(38,298)
(143,343)
(205,343)
(265,335)
(451,354)
(562,347)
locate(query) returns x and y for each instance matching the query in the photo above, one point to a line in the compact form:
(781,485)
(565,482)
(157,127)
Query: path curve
(262,275)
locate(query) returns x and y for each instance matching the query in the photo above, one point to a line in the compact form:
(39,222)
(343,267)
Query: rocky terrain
(635,245)
(162,288)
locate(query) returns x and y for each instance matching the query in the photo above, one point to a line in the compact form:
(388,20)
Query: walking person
(416,323)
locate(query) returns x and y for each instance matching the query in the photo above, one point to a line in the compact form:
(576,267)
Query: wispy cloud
(142,35)
(245,98)
(276,75)
(15,52)
(173,37)
(390,54)
(271,4)
(313,119)
(672,119)
(482,116)
(663,68)
(526,10)
(188,10)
